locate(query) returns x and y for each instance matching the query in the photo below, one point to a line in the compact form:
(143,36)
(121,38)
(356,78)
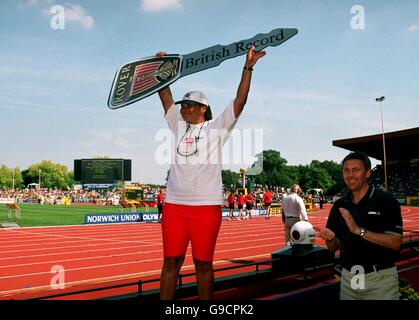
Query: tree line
(269,170)
(49,174)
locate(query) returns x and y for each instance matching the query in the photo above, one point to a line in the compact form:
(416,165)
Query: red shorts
(198,224)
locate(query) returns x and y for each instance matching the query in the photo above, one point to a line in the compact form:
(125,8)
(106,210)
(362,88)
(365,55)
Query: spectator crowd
(49,196)
(403,180)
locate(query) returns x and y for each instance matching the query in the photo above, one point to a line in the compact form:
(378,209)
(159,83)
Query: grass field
(35,215)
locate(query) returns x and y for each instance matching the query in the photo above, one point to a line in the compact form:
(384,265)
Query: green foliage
(334,170)
(10,177)
(317,177)
(51,175)
(229,178)
(326,175)
(70,179)
(274,169)
(270,169)
(408,293)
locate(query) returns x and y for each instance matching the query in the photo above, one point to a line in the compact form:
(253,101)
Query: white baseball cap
(194,97)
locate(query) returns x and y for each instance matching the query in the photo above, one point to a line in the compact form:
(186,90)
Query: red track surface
(109,254)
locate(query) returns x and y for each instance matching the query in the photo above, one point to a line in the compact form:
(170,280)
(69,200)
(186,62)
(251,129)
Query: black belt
(368,268)
(291,217)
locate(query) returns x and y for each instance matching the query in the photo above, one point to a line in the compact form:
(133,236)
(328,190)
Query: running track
(109,254)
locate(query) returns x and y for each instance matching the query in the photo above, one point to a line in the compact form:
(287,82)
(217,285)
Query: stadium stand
(402,155)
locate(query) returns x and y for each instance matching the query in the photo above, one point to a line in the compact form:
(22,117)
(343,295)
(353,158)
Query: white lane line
(124,263)
(87,238)
(61,261)
(147,243)
(29,238)
(109,279)
(114,255)
(66,253)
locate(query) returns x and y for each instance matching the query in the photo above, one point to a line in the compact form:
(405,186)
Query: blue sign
(102,218)
(150,217)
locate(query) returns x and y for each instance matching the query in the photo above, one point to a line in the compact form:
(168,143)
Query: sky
(317,87)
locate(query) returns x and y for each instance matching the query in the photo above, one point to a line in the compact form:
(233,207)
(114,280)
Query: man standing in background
(293,210)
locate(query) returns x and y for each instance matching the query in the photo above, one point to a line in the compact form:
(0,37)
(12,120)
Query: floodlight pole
(381,99)
(243,173)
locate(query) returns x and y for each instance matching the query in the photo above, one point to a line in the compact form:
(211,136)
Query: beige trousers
(377,285)
(289,222)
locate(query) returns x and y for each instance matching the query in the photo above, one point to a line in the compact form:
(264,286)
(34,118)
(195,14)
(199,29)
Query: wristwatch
(362,232)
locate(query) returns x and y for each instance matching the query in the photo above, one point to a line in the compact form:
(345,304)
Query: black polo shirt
(378,211)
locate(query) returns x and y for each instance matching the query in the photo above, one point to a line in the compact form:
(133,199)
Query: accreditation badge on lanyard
(187,146)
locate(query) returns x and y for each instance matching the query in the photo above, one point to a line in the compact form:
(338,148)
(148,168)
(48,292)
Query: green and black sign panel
(139,79)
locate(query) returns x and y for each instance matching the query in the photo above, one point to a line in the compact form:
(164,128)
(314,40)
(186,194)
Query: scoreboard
(102,171)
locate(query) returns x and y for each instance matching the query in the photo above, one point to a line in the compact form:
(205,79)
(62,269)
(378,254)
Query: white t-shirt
(195,170)
(293,206)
